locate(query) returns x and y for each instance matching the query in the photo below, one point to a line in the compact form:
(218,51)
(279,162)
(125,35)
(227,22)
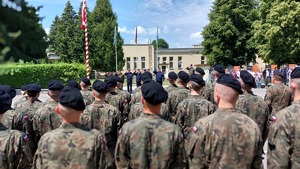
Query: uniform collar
(296,102)
(147,115)
(2,127)
(70,125)
(100,102)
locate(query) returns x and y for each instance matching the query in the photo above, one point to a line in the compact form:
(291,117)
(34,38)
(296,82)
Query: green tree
(161,43)
(277,32)
(53,34)
(28,41)
(227,38)
(102,22)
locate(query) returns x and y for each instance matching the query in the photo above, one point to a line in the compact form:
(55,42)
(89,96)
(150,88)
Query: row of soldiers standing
(213,126)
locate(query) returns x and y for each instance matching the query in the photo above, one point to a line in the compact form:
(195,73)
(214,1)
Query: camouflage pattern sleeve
(122,156)
(104,157)
(280,140)
(268,98)
(179,117)
(39,121)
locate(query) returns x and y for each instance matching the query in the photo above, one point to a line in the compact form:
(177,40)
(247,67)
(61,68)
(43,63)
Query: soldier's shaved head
(68,115)
(225,95)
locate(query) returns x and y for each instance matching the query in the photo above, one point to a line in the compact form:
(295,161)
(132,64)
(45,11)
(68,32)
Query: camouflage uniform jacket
(14,149)
(87,96)
(150,142)
(46,119)
(225,139)
(171,87)
(255,108)
(72,146)
(120,102)
(137,110)
(191,110)
(8,117)
(208,93)
(136,98)
(104,117)
(22,100)
(278,97)
(283,138)
(138,89)
(175,97)
(127,96)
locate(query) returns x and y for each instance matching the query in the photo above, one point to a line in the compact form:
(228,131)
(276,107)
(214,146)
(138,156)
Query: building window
(128,63)
(202,60)
(143,63)
(171,62)
(179,62)
(164,60)
(136,59)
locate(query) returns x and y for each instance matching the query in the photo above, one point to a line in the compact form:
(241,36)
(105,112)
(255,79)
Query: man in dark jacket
(159,76)
(129,76)
(138,77)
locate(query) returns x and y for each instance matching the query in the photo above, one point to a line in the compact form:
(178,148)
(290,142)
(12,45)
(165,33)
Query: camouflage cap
(172,75)
(9,90)
(5,101)
(153,92)
(55,85)
(295,73)
(86,81)
(100,86)
(229,81)
(198,79)
(247,78)
(72,98)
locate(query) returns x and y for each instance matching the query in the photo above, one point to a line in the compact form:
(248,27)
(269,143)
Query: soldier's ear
(57,110)
(143,100)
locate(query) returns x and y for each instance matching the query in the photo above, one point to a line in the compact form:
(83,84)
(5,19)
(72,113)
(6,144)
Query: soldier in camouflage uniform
(14,148)
(149,141)
(207,92)
(227,138)
(279,95)
(137,94)
(46,119)
(8,116)
(172,77)
(23,98)
(194,107)
(25,111)
(73,83)
(117,100)
(102,116)
(176,96)
(72,145)
(122,92)
(217,71)
(284,129)
(137,110)
(85,91)
(251,105)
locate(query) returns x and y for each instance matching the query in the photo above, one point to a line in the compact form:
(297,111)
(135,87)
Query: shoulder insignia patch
(194,129)
(26,138)
(273,118)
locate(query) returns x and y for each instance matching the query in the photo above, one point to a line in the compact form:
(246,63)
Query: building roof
(180,50)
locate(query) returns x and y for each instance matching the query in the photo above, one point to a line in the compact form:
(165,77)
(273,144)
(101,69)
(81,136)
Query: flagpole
(116,49)
(156,50)
(84,25)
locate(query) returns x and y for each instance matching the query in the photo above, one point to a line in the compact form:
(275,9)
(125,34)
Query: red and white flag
(83,15)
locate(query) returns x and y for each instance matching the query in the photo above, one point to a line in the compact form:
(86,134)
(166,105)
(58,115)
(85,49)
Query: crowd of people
(188,124)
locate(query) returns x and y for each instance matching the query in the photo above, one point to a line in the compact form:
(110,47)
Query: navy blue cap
(247,78)
(153,92)
(5,101)
(172,75)
(229,81)
(219,68)
(182,75)
(295,73)
(100,86)
(198,79)
(146,75)
(200,70)
(111,81)
(24,88)
(9,90)
(73,83)
(278,73)
(34,87)
(120,79)
(86,81)
(55,85)
(72,98)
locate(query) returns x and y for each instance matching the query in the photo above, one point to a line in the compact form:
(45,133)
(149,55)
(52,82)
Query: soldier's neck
(195,93)
(100,99)
(225,105)
(296,95)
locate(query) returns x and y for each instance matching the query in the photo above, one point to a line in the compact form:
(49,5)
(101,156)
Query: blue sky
(180,22)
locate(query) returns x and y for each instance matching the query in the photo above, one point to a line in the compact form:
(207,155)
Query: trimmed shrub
(18,75)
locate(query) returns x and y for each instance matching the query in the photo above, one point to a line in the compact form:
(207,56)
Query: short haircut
(195,86)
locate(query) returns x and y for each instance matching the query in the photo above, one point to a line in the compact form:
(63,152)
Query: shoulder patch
(26,138)
(273,118)
(194,129)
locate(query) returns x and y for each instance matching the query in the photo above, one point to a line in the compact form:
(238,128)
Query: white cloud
(196,35)
(166,29)
(47,30)
(122,29)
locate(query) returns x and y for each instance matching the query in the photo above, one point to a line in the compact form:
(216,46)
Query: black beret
(182,75)
(295,73)
(198,79)
(55,85)
(153,92)
(111,81)
(219,68)
(86,81)
(120,79)
(100,86)
(73,83)
(72,98)
(247,78)
(172,75)
(228,80)
(278,73)
(200,70)
(34,87)
(5,101)
(9,90)
(24,88)
(146,75)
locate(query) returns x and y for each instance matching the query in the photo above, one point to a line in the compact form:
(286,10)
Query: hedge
(18,75)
